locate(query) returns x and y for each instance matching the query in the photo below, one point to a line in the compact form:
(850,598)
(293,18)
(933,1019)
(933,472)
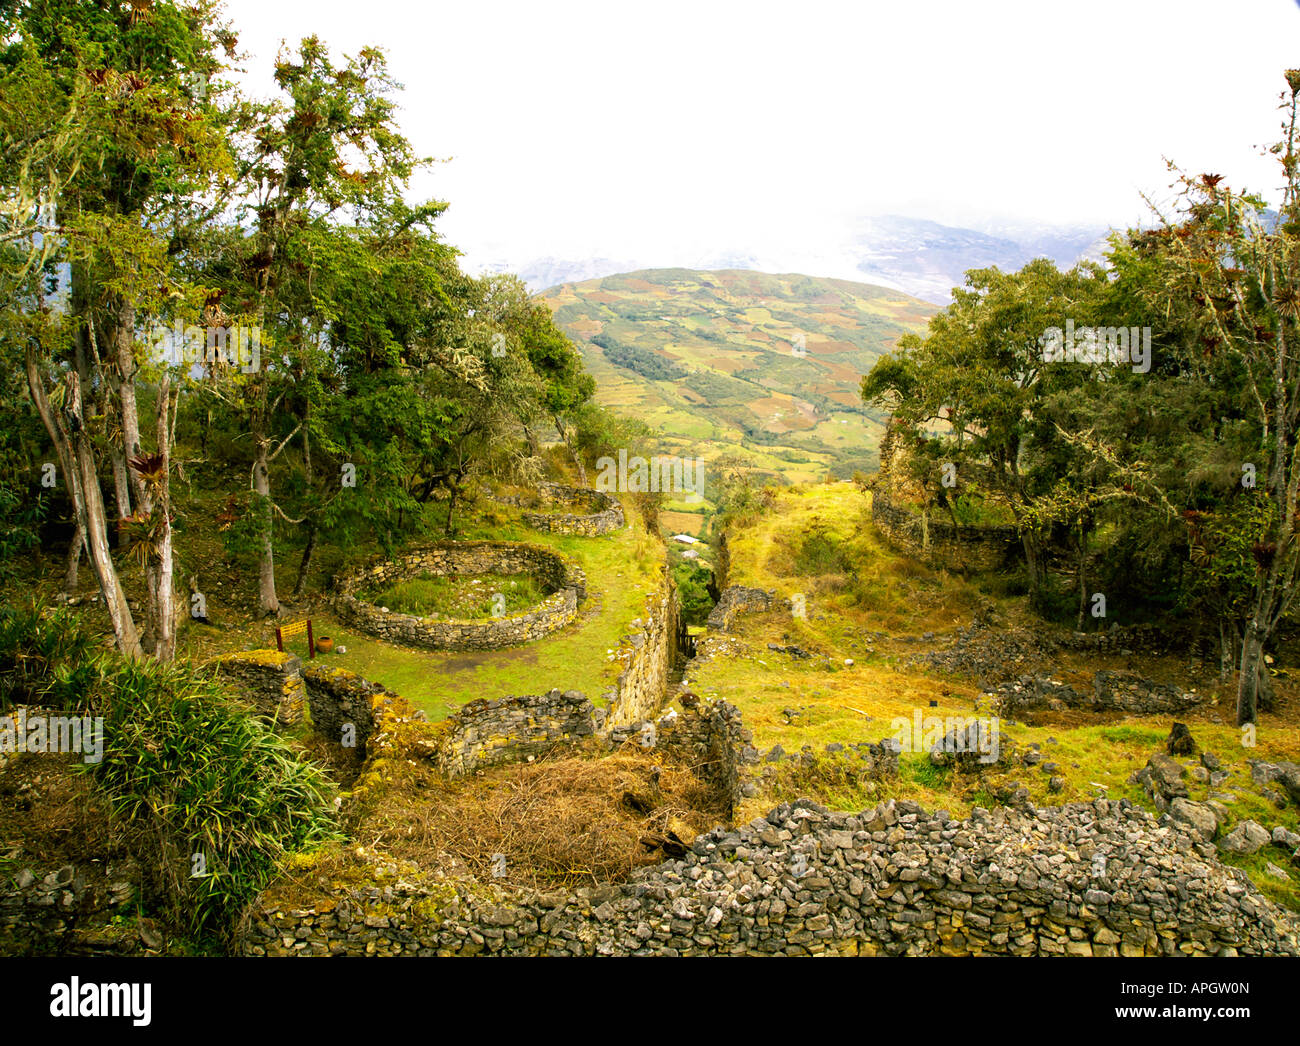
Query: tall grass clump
(46,657)
(218,798)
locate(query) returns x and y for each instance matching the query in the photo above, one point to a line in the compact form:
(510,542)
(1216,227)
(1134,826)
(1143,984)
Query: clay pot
(324,645)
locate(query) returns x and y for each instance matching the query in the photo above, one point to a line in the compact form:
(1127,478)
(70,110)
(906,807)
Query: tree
(979,380)
(1238,276)
(111,142)
(294,169)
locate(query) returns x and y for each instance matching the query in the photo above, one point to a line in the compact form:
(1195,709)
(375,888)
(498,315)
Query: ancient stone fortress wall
(68,910)
(345,708)
(737,599)
(648,654)
(602,513)
(710,737)
(564,577)
(939,543)
(1143,639)
(511,729)
(1101,878)
(271,679)
(514,727)
(483,732)
(1125,692)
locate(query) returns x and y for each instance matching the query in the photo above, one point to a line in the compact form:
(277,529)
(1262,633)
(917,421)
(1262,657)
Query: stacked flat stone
(1100,878)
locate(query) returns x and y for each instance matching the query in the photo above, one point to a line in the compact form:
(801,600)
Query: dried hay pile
(562,821)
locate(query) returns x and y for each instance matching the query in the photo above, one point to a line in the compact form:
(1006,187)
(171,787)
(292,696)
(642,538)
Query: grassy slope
(838,703)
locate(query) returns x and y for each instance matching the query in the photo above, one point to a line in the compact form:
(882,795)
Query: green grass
(1283,891)
(464,596)
(622,571)
(869,588)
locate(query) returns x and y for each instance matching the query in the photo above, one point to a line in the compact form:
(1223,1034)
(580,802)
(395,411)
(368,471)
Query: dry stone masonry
(345,708)
(737,599)
(1125,692)
(271,679)
(66,910)
(1102,878)
(511,729)
(565,579)
(1098,878)
(602,512)
(648,653)
(939,543)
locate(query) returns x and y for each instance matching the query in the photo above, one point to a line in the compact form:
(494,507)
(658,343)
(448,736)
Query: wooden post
(311,641)
(279,641)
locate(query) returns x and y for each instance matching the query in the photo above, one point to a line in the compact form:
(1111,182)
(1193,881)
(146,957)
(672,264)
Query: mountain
(923,258)
(741,362)
(929,259)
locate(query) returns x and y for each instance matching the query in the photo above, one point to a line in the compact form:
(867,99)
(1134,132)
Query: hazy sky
(575,128)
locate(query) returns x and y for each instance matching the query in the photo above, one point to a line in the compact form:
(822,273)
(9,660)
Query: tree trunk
(124,357)
(159,579)
(268,605)
(451,507)
(534,448)
(1033,566)
(1083,580)
(67,431)
(1227,649)
(573,451)
(305,566)
(121,485)
(1252,661)
(70,576)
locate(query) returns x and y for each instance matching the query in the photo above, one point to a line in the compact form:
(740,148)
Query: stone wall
(270,679)
(602,513)
(564,578)
(737,599)
(345,707)
(67,910)
(512,729)
(1125,692)
(709,738)
(1127,639)
(1102,878)
(937,542)
(648,655)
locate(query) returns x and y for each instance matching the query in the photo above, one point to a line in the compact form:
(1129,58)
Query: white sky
(578,128)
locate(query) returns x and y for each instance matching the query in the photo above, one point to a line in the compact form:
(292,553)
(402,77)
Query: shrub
(201,779)
(693,591)
(46,657)
(820,553)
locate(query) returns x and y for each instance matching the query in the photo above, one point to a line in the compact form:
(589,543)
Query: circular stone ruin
(574,510)
(561,579)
